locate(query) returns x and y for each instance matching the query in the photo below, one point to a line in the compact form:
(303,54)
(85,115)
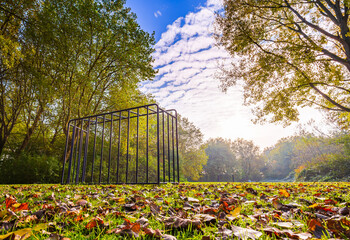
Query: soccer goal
(131,146)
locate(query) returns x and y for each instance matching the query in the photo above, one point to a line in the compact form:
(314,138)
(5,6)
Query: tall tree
(79,58)
(222,165)
(278,159)
(249,159)
(14,84)
(289,53)
(191,149)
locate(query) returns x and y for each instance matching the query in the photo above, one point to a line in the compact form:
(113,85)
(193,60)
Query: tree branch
(344,109)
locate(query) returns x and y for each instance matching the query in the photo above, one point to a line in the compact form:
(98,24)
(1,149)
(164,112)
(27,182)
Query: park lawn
(181,211)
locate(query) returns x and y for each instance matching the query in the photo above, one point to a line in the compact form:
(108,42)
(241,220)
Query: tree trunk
(2,144)
(31,129)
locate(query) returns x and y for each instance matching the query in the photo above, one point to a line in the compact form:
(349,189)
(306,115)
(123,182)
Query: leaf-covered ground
(183,211)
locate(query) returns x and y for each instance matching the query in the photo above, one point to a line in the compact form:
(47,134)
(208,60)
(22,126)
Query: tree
(76,58)
(289,53)
(61,60)
(248,158)
(278,158)
(14,84)
(221,164)
(191,149)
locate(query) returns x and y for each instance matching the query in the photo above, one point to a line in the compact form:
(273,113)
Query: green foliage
(279,159)
(331,161)
(249,159)
(290,54)
(65,59)
(191,149)
(239,160)
(30,168)
(221,164)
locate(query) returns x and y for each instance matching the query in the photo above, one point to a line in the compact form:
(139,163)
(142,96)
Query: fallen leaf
(245,233)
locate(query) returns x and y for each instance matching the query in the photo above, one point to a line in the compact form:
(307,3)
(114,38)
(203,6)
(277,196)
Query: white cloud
(187,60)
(157,14)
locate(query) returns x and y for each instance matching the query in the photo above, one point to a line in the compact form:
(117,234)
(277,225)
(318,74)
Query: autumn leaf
(95,222)
(284,193)
(235,213)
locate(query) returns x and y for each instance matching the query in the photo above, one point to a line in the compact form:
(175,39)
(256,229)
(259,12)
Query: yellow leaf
(19,234)
(6,235)
(40,227)
(235,212)
(314,205)
(16,205)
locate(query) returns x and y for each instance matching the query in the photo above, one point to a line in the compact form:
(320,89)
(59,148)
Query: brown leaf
(130,207)
(155,209)
(82,202)
(94,223)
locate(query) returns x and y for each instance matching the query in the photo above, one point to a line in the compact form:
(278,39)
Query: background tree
(289,53)
(191,149)
(278,159)
(221,164)
(248,158)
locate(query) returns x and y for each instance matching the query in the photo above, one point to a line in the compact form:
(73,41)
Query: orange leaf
(10,201)
(23,206)
(284,193)
(94,222)
(136,227)
(91,224)
(313,223)
(79,218)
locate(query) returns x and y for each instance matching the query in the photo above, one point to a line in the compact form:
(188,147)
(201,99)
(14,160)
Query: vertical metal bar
(110,148)
(65,154)
(76,153)
(137,145)
(158,147)
(80,150)
(86,150)
(71,155)
(103,131)
(94,153)
(163,150)
(147,144)
(172,132)
(127,149)
(119,140)
(177,150)
(168,125)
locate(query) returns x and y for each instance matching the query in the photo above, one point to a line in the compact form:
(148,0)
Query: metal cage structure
(131,146)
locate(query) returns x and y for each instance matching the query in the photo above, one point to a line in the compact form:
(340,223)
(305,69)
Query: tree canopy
(290,54)
(67,59)
(61,60)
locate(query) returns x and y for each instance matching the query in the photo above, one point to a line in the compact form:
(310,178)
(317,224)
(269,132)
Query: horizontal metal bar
(123,118)
(125,110)
(117,111)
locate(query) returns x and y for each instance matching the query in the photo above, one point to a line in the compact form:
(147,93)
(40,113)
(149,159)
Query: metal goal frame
(136,145)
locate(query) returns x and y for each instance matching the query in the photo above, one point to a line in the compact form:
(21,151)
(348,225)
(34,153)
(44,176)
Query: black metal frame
(153,157)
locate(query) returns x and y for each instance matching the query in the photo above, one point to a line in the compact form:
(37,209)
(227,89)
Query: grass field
(184,211)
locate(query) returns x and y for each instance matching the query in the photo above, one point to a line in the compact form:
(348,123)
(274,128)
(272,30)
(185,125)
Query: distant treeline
(305,157)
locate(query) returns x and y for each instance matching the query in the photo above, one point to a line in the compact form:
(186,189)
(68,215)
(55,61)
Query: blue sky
(155,15)
(188,59)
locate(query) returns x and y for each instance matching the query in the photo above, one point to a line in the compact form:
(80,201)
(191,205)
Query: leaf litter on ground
(186,210)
